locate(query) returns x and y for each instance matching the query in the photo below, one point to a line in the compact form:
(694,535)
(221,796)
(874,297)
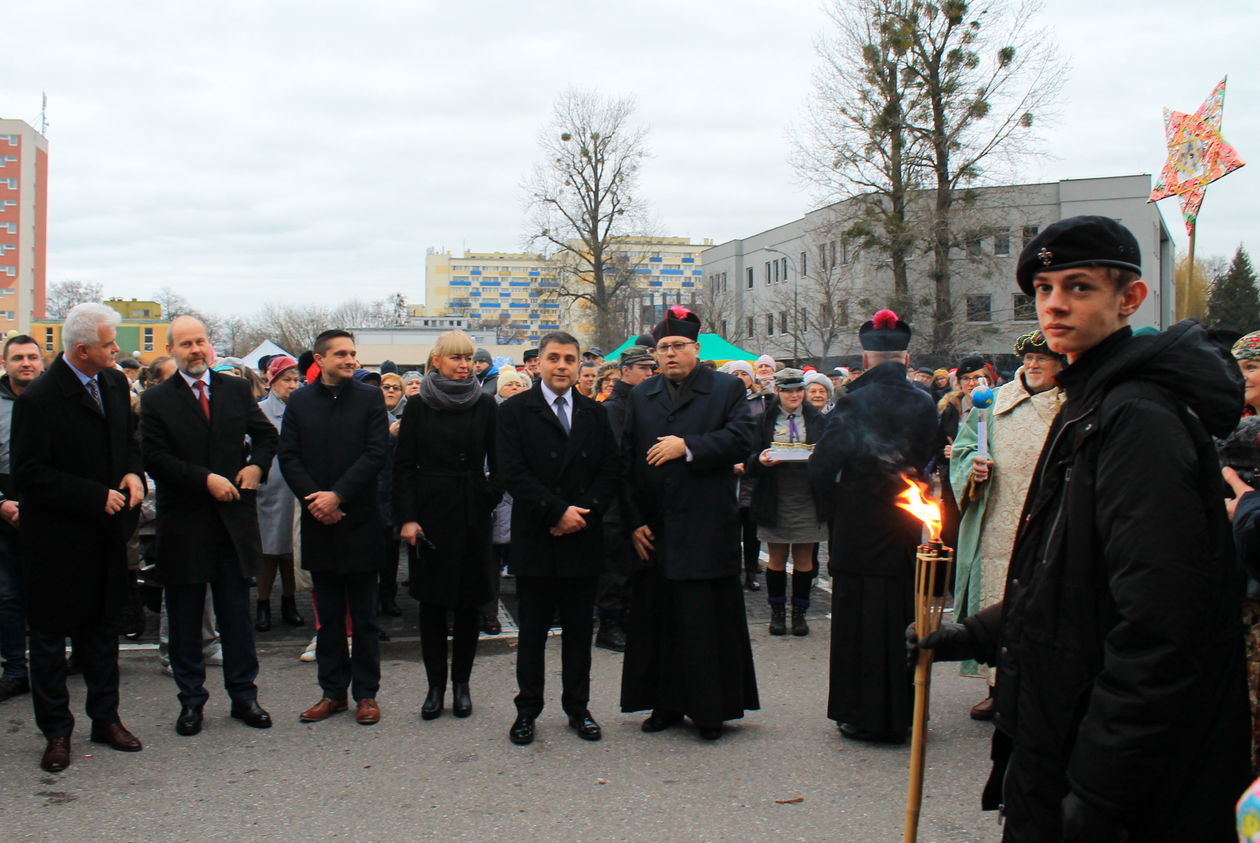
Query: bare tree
(66,294)
(293,327)
(981,76)
(855,141)
(914,94)
(717,307)
(581,197)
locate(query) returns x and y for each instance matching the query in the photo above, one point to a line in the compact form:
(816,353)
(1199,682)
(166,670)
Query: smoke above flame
(913,501)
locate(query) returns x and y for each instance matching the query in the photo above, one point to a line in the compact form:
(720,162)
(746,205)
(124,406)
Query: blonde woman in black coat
(446,446)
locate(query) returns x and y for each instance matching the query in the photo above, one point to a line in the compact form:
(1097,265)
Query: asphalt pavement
(781,773)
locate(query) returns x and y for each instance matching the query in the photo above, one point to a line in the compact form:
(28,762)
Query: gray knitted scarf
(454,395)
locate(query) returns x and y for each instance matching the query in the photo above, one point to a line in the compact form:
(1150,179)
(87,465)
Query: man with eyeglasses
(688,651)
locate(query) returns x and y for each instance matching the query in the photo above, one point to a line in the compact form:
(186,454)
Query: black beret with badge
(1078,241)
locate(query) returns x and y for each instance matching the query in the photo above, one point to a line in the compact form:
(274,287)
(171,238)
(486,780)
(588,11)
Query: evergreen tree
(1234,302)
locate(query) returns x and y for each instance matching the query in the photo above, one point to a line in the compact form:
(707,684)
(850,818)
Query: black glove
(952,642)
(1084,823)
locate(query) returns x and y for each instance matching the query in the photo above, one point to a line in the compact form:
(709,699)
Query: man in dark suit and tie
(194,428)
(76,468)
(560,461)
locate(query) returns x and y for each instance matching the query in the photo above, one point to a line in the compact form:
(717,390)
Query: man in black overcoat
(333,446)
(207,446)
(687,652)
(881,429)
(76,466)
(559,460)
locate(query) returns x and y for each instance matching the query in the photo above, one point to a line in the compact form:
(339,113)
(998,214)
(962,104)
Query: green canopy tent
(712,347)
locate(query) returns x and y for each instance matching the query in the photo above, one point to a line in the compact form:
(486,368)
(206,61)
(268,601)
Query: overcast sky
(242,152)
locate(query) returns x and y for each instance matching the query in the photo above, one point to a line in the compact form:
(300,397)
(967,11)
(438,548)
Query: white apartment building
(766,292)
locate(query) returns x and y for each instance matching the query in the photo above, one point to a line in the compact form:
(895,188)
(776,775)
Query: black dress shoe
(585,726)
(251,714)
(389,607)
(461,700)
(189,721)
(661,719)
(611,635)
(711,733)
(855,733)
(434,701)
(522,731)
(750,581)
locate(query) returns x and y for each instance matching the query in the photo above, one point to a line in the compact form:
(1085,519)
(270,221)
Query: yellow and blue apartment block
(142,330)
(514,296)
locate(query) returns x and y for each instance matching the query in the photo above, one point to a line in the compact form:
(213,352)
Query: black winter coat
(882,428)
(66,458)
(440,483)
(546,471)
(1118,644)
(337,443)
(181,448)
(689,506)
(765,495)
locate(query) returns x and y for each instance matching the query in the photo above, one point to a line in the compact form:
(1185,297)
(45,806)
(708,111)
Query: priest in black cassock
(882,428)
(687,650)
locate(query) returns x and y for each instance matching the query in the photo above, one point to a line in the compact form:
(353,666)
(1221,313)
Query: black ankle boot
(434,702)
(799,627)
(288,611)
(778,619)
(262,623)
(461,702)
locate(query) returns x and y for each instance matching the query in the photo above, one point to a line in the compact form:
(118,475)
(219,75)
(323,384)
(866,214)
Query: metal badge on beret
(1078,241)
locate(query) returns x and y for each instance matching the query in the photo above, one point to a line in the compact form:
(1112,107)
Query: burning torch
(933,567)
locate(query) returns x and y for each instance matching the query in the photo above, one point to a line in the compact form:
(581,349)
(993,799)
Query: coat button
(1005,651)
(1015,582)
(670,417)
(553,455)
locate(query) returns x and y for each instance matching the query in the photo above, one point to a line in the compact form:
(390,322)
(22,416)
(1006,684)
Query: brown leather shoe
(56,755)
(117,736)
(322,710)
(983,710)
(368,713)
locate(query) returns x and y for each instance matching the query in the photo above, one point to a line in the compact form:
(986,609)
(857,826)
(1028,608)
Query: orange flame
(914,502)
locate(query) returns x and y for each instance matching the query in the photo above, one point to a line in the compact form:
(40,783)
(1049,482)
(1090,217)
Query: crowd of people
(1099,586)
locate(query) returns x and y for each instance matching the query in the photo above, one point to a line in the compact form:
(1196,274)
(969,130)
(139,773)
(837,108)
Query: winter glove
(1083,823)
(952,642)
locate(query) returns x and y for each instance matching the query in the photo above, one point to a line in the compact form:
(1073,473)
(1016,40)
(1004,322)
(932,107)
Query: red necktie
(202,398)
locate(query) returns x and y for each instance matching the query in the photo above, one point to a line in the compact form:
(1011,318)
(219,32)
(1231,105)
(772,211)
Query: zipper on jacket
(1054,525)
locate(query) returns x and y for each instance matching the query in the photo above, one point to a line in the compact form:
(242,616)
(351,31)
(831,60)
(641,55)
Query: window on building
(979,308)
(1031,231)
(833,253)
(804,264)
(723,324)
(783,322)
(975,247)
(9,183)
(1025,308)
(822,257)
(750,283)
(748,327)
(842,313)
(724,287)
(1002,243)
(148,339)
(50,339)
(803,325)
(769,324)
(767,275)
(844,252)
(776,272)
(784,262)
